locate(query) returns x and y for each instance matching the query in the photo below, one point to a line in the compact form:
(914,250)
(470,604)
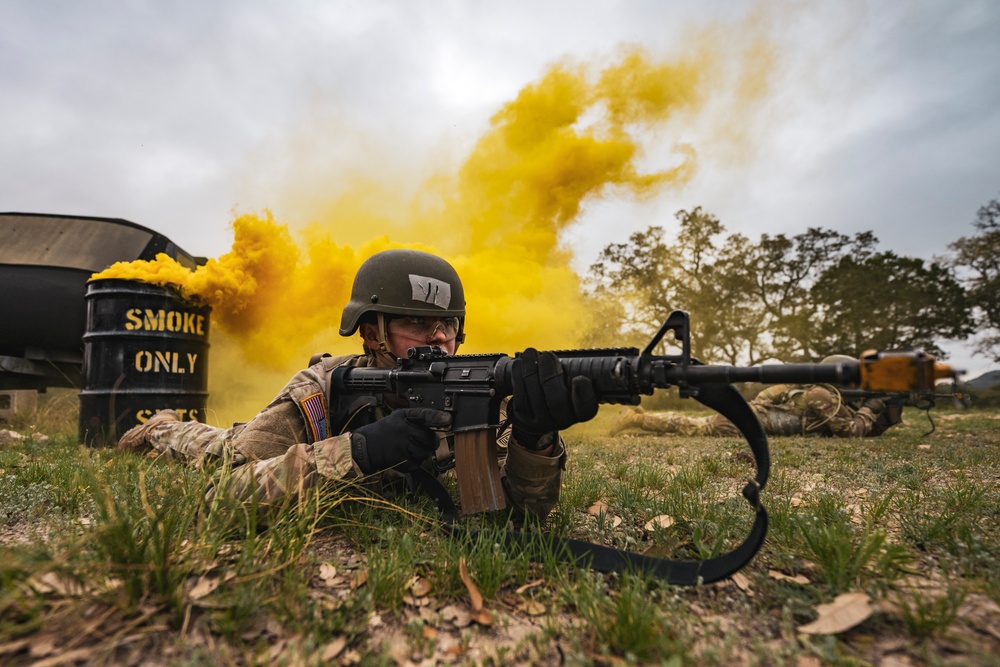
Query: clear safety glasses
(424,328)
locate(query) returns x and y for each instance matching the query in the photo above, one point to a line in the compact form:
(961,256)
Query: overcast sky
(882,116)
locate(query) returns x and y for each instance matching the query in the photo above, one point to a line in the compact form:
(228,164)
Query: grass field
(881,552)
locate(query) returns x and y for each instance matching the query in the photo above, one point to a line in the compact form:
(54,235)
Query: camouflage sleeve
(533,480)
(280,480)
(773,394)
(826,411)
(681,424)
(271,432)
(874,412)
(888,414)
(194,443)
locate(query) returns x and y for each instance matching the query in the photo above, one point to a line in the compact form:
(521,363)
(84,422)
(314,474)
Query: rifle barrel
(842,373)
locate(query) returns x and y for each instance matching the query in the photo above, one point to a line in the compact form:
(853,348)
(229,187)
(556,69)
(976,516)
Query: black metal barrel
(145,349)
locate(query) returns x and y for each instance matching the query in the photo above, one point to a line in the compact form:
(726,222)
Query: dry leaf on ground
(533,608)
(743,583)
(530,584)
(597,508)
(333,649)
(458,615)
(419,586)
(203,587)
(475,597)
(781,576)
(661,521)
(845,612)
(483,617)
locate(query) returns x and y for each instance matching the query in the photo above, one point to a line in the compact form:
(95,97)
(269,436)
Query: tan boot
(627,418)
(137,438)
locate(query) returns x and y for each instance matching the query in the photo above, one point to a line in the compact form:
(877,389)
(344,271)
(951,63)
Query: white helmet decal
(430,290)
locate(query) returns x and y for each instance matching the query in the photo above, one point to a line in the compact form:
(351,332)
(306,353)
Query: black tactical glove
(404,435)
(544,400)
(892,415)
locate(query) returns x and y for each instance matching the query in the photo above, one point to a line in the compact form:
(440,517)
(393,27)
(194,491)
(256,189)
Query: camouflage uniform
(282,450)
(294,442)
(783,409)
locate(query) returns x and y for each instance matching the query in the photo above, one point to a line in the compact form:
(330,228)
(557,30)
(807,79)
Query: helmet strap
(382,353)
(383,333)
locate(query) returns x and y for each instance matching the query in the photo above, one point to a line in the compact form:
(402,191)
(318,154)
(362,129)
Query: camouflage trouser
(272,481)
(781,410)
(680,424)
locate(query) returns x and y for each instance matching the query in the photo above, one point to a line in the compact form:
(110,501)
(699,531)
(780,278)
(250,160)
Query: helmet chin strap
(382,354)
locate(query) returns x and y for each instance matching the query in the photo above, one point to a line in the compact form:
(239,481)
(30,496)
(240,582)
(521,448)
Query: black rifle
(473,387)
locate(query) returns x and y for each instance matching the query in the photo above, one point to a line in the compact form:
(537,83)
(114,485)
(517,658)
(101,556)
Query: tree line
(797,298)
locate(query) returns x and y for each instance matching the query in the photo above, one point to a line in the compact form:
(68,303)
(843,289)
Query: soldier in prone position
(784,409)
(400,299)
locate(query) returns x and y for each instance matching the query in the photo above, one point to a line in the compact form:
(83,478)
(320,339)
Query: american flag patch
(314,408)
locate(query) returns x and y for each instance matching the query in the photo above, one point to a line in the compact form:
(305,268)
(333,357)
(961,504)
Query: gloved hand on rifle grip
(404,435)
(889,417)
(893,414)
(544,399)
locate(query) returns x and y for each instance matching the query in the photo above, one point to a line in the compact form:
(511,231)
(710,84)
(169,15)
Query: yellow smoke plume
(573,135)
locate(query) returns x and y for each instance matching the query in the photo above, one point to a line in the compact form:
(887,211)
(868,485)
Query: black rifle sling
(419,479)
(728,402)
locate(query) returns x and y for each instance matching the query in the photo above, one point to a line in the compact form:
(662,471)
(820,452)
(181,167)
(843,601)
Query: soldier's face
(400,336)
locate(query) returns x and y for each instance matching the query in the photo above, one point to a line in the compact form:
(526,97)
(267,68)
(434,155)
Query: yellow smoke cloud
(528,176)
(574,134)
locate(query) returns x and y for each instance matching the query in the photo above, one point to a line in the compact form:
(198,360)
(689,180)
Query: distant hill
(984,381)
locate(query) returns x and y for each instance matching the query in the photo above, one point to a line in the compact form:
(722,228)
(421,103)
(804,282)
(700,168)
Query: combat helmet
(405,282)
(838,359)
